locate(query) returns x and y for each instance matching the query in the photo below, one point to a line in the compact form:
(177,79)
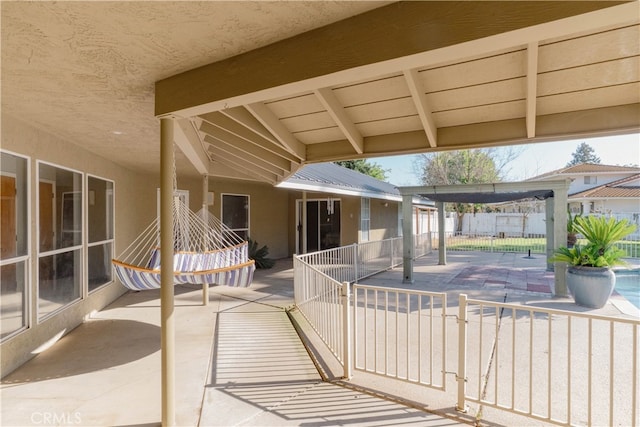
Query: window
(590,179)
(14,247)
(235,214)
(100,231)
(60,196)
(365,219)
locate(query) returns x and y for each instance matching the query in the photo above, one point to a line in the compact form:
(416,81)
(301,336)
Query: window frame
(248,198)
(27,258)
(40,318)
(365,207)
(111,227)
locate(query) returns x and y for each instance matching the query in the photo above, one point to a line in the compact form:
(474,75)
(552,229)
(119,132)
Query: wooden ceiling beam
(618,120)
(340,117)
(230,161)
(399,36)
(269,120)
(240,152)
(188,141)
(532,88)
(420,100)
(246,119)
(250,149)
(222,168)
(228,126)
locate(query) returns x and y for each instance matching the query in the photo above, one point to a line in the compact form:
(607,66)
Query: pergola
(553,192)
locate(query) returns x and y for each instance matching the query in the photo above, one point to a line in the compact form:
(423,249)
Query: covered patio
(352,80)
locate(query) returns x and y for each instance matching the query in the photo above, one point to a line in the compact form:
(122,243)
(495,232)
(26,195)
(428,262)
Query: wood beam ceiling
(495,73)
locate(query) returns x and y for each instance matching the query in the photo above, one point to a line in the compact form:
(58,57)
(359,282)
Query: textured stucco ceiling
(85,71)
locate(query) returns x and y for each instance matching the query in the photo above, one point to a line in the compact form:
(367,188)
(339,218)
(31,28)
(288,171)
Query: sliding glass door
(322,225)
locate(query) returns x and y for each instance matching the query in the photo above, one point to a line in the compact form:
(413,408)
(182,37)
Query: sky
(534,159)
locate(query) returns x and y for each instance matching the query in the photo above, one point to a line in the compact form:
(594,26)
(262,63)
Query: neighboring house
(594,188)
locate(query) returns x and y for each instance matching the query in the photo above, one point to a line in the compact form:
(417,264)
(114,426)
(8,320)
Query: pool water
(628,285)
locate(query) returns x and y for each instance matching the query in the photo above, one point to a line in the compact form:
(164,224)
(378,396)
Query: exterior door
(323,225)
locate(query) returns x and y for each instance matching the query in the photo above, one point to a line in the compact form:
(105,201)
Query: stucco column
(549,207)
(407,238)
(442,248)
(560,239)
(205,196)
(586,208)
(167,321)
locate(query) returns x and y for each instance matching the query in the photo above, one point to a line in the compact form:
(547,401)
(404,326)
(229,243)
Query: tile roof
(628,187)
(587,168)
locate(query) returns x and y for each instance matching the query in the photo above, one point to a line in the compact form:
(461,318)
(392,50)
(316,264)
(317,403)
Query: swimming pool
(628,285)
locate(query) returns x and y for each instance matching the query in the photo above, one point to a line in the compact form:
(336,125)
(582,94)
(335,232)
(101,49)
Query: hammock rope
(205,252)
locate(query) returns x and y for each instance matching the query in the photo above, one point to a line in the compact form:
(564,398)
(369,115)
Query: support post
(304,222)
(407,238)
(461,376)
(442,248)
(549,203)
(346,331)
(355,263)
(205,195)
(167,321)
(560,197)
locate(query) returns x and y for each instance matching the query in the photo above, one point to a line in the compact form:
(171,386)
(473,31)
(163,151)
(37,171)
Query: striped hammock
(205,252)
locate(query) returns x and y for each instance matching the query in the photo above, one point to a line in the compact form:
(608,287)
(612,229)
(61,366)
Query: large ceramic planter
(590,286)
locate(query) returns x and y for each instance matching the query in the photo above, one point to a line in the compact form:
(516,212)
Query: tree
(463,167)
(363,166)
(583,154)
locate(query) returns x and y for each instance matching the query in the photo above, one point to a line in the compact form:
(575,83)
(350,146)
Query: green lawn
(520,244)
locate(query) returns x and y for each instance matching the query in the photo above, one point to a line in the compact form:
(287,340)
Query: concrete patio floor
(239,360)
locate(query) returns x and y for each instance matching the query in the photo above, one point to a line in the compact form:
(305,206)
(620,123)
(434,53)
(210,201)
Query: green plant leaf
(601,234)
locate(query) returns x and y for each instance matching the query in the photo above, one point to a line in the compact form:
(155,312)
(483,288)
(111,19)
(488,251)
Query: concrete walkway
(239,362)
(523,281)
(491,276)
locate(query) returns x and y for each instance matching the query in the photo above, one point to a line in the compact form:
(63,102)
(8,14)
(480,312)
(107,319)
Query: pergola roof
(260,88)
(487,193)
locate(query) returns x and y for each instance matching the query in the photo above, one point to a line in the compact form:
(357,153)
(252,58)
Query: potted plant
(572,237)
(589,277)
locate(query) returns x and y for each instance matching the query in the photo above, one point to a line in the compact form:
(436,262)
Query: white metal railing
(551,365)
(536,243)
(422,244)
(321,300)
(400,334)
(489,242)
(337,263)
(321,286)
(357,261)
(631,245)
